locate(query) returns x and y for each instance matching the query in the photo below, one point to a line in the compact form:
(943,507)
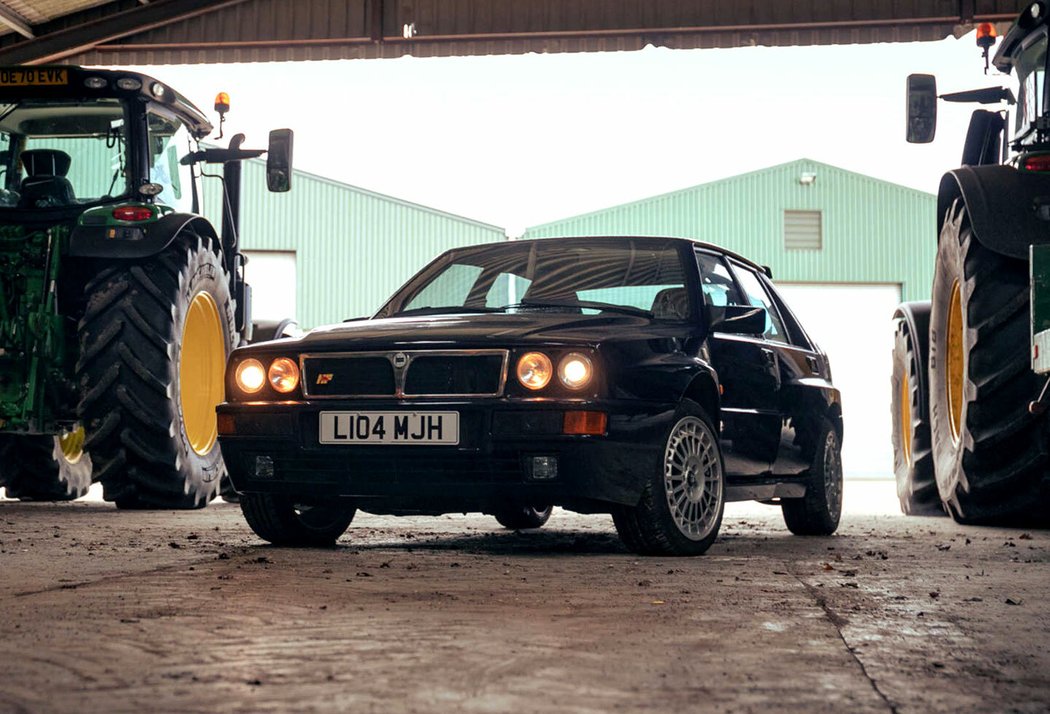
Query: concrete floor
(107,611)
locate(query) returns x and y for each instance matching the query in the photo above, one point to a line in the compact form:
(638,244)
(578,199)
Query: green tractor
(119,302)
(971,433)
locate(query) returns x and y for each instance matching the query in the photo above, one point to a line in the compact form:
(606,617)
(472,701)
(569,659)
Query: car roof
(613,238)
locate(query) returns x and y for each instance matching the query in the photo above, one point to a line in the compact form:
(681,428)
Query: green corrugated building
(811,222)
(326,251)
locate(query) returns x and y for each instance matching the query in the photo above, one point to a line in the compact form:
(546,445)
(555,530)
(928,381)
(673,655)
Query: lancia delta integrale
(650,378)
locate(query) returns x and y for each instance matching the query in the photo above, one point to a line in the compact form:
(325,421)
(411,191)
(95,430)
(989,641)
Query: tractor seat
(45,183)
(671,304)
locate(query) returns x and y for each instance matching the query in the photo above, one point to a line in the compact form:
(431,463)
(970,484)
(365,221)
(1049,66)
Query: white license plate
(389,428)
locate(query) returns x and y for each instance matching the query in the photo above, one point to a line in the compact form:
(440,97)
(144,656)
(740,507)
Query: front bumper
(275,448)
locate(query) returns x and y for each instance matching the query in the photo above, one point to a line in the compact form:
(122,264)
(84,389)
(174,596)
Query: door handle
(769,356)
(814,365)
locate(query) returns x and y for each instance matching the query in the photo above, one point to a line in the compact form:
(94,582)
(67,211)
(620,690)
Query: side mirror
(922,108)
(739,319)
(279,161)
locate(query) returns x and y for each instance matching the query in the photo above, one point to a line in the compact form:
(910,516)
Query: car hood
(486,330)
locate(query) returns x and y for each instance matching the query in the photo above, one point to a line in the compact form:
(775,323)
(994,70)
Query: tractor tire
(990,454)
(281,521)
(523,517)
(45,467)
(153,346)
(912,455)
(680,511)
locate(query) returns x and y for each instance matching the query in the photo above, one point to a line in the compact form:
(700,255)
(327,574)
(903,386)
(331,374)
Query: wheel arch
(92,242)
(703,389)
(1008,209)
(916,315)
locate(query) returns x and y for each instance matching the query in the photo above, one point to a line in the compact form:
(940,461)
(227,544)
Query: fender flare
(93,241)
(1008,209)
(916,315)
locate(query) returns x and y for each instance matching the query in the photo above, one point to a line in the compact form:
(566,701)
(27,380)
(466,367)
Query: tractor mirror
(922,108)
(279,161)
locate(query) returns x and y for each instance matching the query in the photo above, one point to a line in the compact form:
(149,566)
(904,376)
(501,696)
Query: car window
(756,295)
(506,289)
(588,275)
(449,288)
(717,282)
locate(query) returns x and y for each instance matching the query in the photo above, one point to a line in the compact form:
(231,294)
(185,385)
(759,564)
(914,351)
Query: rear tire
(680,511)
(279,520)
(818,512)
(990,454)
(153,346)
(45,467)
(523,517)
(912,456)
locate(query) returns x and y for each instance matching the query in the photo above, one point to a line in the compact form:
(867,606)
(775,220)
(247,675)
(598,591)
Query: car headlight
(534,370)
(250,376)
(575,370)
(283,375)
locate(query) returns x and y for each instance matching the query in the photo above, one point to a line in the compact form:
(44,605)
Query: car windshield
(589,276)
(61,153)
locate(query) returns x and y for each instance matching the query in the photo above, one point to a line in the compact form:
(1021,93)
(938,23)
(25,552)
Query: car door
(803,379)
(749,377)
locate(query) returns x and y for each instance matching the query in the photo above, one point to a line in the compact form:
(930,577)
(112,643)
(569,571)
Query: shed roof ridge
(723,181)
(383,196)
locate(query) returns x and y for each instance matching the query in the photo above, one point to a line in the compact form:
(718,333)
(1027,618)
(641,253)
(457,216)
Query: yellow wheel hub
(906,419)
(202,362)
(955,363)
(71,443)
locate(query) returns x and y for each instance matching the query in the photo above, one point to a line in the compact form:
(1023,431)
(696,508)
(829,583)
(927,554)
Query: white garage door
(853,324)
(271,273)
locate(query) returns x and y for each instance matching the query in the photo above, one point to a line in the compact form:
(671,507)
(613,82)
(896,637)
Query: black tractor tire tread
(1005,462)
(916,486)
(30,471)
(125,367)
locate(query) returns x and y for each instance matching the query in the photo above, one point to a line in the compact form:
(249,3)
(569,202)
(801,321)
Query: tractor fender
(1008,209)
(916,315)
(131,241)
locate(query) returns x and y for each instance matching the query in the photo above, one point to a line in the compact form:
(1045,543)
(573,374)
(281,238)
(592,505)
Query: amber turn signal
(585,423)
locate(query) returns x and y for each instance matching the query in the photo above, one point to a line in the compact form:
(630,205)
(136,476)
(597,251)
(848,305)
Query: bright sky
(521,140)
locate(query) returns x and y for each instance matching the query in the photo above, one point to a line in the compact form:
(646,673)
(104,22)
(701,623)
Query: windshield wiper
(446,309)
(589,304)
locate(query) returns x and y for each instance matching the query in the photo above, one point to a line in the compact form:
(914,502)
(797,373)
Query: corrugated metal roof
(353,247)
(191,31)
(873,231)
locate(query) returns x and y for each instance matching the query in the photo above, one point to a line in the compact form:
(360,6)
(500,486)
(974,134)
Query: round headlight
(250,376)
(283,375)
(535,370)
(575,370)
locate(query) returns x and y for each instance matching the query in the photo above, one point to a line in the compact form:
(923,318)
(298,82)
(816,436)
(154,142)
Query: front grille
(417,373)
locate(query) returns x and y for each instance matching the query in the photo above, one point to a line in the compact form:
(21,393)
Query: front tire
(680,511)
(912,456)
(153,346)
(990,454)
(45,467)
(818,512)
(282,521)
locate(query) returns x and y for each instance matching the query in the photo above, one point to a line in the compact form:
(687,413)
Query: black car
(650,378)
